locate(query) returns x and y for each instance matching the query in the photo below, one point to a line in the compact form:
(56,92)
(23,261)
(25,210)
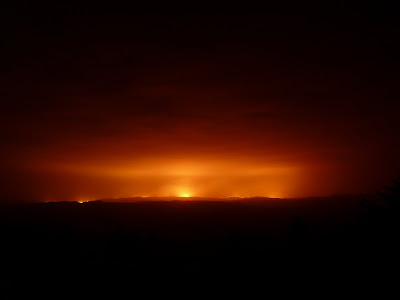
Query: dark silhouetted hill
(158,238)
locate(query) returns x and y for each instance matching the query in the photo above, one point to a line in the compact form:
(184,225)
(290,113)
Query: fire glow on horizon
(183,179)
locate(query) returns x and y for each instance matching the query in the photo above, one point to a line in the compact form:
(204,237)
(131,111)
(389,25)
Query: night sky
(290,100)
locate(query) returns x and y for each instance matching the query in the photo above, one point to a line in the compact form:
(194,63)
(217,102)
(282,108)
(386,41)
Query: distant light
(184,195)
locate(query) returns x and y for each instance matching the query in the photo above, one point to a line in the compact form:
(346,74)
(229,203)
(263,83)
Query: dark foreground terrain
(97,244)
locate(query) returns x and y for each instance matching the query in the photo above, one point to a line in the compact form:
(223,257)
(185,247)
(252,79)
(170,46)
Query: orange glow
(200,177)
(117,117)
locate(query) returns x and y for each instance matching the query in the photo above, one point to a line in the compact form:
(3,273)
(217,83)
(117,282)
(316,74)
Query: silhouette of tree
(381,227)
(391,195)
